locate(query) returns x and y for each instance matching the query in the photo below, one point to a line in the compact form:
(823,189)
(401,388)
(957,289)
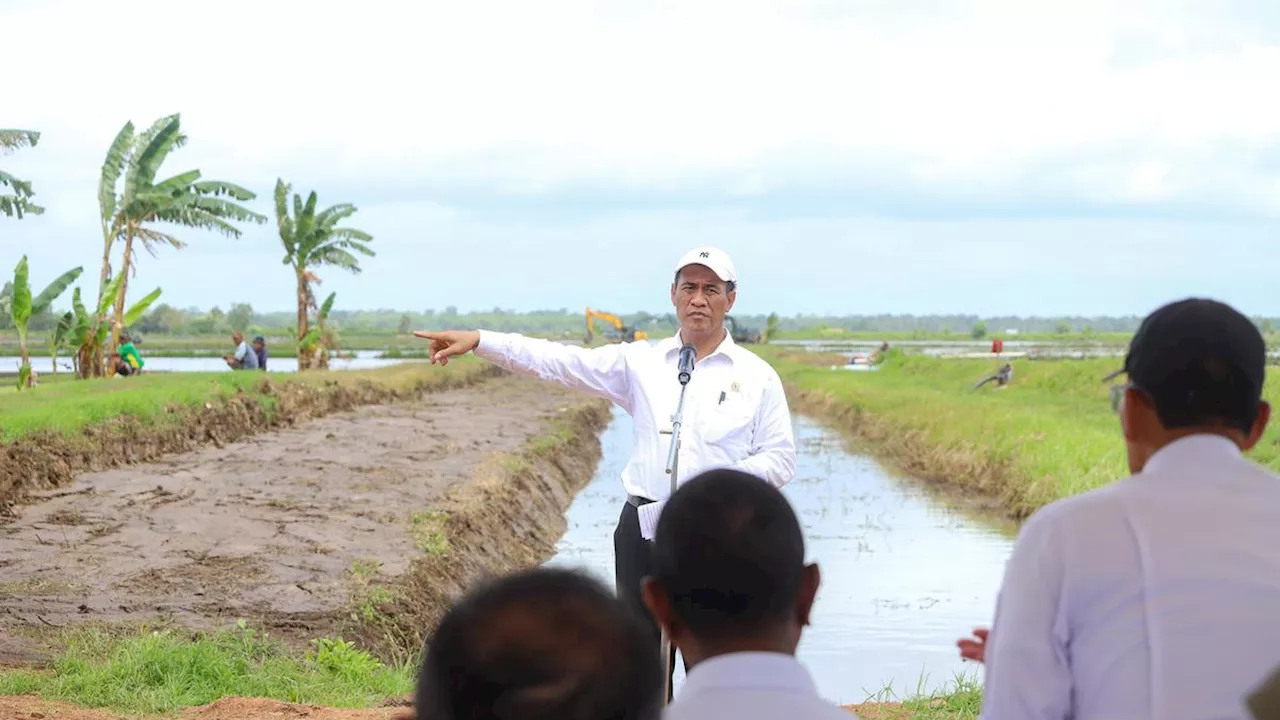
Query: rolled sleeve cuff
(492,345)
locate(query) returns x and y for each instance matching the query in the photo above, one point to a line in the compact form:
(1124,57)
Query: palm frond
(117,154)
(226,209)
(54,289)
(222,187)
(11,139)
(152,238)
(18,206)
(335,214)
(284,224)
(178,184)
(337,257)
(150,150)
(194,217)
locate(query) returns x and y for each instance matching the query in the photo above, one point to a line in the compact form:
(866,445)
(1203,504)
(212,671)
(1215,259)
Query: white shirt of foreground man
(1157,596)
(735,412)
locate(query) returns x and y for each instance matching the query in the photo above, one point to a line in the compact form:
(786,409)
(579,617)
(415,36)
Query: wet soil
(268,529)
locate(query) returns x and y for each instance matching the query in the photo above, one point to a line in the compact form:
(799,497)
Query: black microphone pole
(685,372)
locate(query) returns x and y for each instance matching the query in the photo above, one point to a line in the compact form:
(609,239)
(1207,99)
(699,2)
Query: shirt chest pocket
(728,425)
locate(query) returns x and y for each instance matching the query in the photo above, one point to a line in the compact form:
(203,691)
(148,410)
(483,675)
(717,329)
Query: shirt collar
(1192,449)
(726,347)
(750,671)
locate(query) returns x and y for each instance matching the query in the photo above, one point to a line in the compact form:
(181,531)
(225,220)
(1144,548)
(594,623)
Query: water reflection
(902,576)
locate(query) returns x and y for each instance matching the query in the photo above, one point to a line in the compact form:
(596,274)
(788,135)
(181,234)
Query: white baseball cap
(714,258)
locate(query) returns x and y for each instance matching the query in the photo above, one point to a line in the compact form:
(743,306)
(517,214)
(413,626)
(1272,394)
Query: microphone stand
(668,652)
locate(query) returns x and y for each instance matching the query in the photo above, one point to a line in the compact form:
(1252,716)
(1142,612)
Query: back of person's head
(729,566)
(1195,365)
(542,644)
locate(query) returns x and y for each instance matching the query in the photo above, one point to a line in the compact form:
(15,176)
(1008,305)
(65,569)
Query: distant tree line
(164,319)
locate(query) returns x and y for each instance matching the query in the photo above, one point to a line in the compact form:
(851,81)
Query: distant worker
(117,365)
(1001,378)
(732,589)
(1156,596)
(129,353)
(244,357)
(260,349)
(539,644)
(736,409)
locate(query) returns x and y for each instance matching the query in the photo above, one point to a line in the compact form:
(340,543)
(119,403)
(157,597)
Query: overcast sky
(853,157)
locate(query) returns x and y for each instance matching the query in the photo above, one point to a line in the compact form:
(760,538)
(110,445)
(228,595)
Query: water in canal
(902,577)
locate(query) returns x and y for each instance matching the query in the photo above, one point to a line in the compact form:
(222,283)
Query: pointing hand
(446,344)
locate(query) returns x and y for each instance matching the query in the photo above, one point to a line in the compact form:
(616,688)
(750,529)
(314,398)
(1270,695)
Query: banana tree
(19,201)
(318,341)
(183,200)
(22,307)
(312,239)
(58,338)
(89,333)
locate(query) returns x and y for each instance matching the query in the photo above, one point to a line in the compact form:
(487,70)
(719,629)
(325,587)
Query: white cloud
(797,110)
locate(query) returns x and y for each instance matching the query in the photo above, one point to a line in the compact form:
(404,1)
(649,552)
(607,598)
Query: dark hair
(729,553)
(542,644)
(730,285)
(1208,393)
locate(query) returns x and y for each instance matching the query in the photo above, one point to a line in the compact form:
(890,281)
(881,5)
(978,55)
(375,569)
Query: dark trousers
(633,560)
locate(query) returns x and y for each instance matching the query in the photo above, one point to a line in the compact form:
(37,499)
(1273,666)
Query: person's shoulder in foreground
(732,590)
(1154,596)
(540,644)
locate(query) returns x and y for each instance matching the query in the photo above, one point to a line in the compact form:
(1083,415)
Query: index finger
(427,334)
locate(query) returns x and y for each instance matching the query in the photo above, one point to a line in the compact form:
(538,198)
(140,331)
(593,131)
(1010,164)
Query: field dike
(47,460)
(508,516)
(982,481)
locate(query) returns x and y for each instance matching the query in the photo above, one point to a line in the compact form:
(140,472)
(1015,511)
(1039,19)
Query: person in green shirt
(129,353)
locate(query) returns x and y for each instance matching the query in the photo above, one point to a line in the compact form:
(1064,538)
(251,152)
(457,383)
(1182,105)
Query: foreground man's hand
(448,343)
(974,650)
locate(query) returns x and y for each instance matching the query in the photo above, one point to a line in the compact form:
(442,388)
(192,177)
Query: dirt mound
(45,460)
(510,515)
(301,531)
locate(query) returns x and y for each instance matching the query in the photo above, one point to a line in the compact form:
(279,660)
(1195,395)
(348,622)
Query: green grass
(962,700)
(68,406)
(1052,428)
(160,672)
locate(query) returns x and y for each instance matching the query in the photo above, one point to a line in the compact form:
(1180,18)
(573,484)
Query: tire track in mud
(267,529)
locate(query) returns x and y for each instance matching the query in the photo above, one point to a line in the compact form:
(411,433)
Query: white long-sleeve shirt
(749,429)
(1155,598)
(752,686)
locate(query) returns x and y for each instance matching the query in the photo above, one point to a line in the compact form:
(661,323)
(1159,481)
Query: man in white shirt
(735,412)
(732,590)
(1159,595)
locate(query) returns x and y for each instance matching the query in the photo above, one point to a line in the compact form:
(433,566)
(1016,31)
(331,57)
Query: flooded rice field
(903,576)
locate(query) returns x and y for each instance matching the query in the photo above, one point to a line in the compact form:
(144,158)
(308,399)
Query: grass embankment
(1050,434)
(67,406)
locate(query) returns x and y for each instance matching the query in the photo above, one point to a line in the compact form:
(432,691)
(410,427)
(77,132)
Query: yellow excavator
(625,333)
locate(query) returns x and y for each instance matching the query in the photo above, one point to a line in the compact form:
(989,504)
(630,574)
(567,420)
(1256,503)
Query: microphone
(687,355)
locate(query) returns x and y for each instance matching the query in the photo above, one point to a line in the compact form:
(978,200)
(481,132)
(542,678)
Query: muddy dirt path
(268,529)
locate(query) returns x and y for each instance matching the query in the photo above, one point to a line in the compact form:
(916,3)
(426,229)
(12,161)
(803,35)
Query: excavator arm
(625,332)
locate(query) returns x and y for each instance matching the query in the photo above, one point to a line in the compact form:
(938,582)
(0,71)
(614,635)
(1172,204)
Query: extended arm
(600,371)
